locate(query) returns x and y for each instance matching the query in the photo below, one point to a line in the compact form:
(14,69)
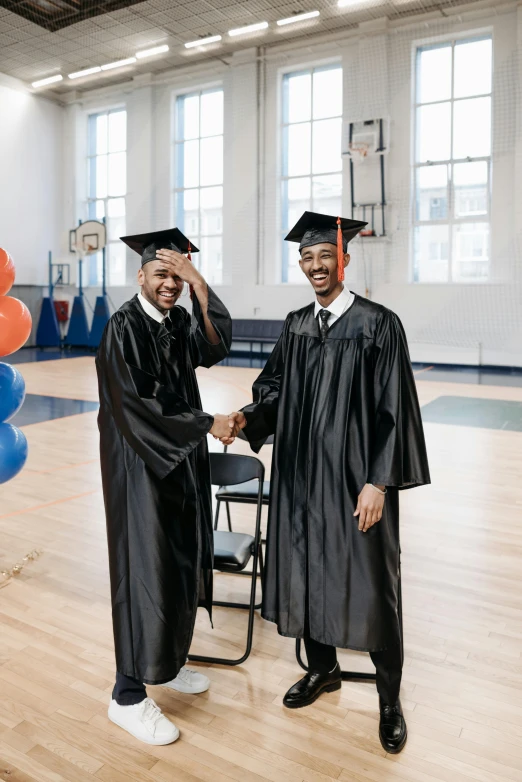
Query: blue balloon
(13,451)
(12,391)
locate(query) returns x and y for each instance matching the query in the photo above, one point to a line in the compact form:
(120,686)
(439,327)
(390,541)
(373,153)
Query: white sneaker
(145,721)
(190,682)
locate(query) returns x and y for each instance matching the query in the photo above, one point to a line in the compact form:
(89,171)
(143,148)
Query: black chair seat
(244,492)
(232,550)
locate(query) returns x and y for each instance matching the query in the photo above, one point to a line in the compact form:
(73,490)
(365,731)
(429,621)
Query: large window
(311,147)
(107,186)
(452,171)
(198,190)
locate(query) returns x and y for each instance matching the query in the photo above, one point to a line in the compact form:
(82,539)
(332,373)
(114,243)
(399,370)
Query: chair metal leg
(351,676)
(261,562)
(216,517)
(355,675)
(229,520)
(251,605)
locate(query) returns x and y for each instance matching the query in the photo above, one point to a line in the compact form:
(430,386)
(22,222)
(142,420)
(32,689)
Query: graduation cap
(147,245)
(315,228)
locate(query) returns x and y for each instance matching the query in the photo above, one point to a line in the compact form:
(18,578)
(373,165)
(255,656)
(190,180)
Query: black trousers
(127,691)
(323,659)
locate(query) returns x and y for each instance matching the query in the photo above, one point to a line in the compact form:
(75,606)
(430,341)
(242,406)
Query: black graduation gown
(344,413)
(156,481)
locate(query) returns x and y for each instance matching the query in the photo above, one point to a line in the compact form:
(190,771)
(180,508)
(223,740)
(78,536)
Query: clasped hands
(227,427)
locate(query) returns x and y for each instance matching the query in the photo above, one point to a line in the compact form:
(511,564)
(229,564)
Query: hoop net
(88,238)
(358,151)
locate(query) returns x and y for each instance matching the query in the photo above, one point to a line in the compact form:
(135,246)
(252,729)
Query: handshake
(227,427)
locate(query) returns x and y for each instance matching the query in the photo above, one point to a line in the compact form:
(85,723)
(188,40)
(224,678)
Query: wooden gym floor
(462,685)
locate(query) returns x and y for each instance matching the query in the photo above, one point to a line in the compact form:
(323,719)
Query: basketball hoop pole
(78,331)
(101,308)
(104,270)
(80,264)
(48,330)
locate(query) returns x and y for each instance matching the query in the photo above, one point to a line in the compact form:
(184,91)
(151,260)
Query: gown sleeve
(399,451)
(202,352)
(261,415)
(157,423)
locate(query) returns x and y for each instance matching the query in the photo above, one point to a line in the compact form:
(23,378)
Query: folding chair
(233,550)
(245,493)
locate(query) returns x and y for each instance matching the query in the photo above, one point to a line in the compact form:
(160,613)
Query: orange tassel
(340,252)
(189,256)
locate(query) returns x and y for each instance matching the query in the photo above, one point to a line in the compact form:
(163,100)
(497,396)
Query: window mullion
(451,204)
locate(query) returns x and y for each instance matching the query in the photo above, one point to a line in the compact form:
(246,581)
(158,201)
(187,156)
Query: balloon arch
(15,328)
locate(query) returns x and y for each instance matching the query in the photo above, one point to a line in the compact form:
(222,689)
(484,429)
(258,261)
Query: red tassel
(189,256)
(340,252)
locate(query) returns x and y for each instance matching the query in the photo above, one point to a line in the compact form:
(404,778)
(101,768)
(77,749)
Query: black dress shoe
(392,727)
(310,687)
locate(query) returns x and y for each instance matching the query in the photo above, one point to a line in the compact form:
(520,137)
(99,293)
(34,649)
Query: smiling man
(339,395)
(156,477)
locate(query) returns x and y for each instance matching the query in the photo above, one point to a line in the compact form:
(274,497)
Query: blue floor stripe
(468,411)
(37,408)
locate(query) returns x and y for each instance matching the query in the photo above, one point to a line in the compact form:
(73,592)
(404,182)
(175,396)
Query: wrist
(378,487)
(199,285)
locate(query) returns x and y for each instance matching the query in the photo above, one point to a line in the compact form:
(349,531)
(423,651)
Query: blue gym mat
(37,408)
(468,411)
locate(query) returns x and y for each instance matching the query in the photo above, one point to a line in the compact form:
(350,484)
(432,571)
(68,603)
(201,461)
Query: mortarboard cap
(147,245)
(315,228)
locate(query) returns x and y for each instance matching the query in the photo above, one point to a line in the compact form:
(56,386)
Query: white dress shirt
(338,306)
(151,310)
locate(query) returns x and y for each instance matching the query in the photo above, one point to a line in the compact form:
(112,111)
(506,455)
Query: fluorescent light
(345,3)
(298,18)
(119,64)
(48,80)
(251,28)
(203,41)
(86,72)
(152,52)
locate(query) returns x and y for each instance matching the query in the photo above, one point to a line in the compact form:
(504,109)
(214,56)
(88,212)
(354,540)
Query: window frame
(91,120)
(176,170)
(450,220)
(283,177)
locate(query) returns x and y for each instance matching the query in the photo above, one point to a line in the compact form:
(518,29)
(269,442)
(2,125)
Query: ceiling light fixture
(86,72)
(48,80)
(346,3)
(119,64)
(203,41)
(298,18)
(152,52)
(251,28)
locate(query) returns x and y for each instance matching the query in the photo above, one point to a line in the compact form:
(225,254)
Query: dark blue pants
(128,691)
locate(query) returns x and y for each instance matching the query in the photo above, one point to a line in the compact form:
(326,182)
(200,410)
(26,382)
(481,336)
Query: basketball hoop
(88,238)
(358,151)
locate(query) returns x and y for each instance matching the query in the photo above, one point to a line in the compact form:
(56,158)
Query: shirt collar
(338,305)
(151,310)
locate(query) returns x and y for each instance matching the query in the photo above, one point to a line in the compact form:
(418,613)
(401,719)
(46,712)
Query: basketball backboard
(88,238)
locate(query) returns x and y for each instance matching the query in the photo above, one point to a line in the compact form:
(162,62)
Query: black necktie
(324,315)
(167,322)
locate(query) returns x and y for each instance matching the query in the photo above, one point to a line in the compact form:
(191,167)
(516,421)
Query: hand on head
(180,265)
(226,428)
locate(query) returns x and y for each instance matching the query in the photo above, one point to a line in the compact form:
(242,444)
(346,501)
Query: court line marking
(48,504)
(426,369)
(62,467)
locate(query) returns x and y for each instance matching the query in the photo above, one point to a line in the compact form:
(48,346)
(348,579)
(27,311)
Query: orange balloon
(7,272)
(15,325)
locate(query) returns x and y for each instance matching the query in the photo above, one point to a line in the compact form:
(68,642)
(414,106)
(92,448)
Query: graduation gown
(344,412)
(156,481)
